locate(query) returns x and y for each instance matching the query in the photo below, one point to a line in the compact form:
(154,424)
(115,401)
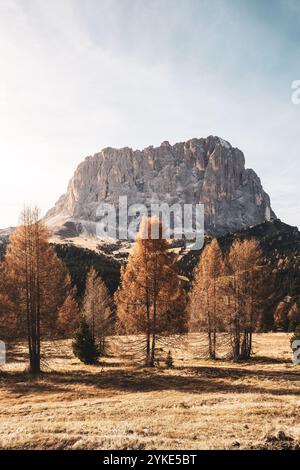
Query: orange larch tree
(98,309)
(69,315)
(206,298)
(35,282)
(150,299)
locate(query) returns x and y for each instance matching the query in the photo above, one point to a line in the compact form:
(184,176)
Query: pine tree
(84,346)
(169,361)
(150,299)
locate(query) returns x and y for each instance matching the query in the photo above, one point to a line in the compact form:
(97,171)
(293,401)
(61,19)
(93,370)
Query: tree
(84,346)
(169,361)
(293,317)
(9,325)
(68,315)
(97,308)
(287,315)
(35,282)
(245,292)
(150,299)
(205,300)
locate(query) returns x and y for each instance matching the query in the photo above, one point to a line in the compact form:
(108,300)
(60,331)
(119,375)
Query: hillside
(280,244)
(281,248)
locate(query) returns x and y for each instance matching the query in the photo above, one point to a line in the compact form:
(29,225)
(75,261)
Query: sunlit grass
(199,404)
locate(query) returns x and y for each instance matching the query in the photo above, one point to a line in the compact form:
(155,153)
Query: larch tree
(150,299)
(206,297)
(35,282)
(68,315)
(97,309)
(9,325)
(245,292)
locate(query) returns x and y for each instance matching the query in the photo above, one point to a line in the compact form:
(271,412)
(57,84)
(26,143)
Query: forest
(146,326)
(52,292)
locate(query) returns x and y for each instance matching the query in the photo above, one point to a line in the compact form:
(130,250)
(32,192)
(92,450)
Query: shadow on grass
(200,379)
(268,360)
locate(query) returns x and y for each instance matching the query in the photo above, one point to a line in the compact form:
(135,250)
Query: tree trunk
(155,293)
(214,341)
(152,356)
(148,332)
(35,364)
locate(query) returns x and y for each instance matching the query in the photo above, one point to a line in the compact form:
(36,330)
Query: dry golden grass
(197,405)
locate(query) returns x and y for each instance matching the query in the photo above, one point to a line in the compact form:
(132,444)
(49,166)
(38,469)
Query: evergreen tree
(84,346)
(169,361)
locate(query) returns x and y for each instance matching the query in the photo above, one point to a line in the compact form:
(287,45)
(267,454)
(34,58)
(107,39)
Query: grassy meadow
(199,404)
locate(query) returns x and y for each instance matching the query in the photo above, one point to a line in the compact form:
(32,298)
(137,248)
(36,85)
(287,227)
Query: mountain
(206,170)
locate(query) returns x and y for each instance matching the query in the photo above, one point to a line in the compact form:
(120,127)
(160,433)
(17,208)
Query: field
(199,404)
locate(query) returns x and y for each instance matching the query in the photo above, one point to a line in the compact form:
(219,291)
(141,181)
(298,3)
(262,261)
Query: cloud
(78,76)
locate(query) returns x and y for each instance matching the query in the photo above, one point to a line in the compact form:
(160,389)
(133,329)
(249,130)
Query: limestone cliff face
(207,170)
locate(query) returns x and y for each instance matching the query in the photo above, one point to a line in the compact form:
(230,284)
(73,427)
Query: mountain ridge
(205,170)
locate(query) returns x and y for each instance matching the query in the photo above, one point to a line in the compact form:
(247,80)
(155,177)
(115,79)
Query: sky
(77,76)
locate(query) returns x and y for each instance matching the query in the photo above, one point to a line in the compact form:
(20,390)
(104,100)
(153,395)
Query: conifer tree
(9,325)
(245,292)
(84,346)
(150,299)
(35,282)
(68,316)
(169,361)
(97,308)
(206,298)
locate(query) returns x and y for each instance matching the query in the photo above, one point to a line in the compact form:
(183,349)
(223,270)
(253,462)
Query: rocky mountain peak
(206,170)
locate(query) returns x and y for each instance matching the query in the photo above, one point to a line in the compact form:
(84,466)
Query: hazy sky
(77,76)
